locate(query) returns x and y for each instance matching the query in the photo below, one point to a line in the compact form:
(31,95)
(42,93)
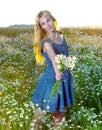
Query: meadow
(19,75)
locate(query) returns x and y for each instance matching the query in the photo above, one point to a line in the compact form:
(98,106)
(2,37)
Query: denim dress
(42,94)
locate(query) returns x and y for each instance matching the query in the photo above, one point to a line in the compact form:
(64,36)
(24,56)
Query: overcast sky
(67,12)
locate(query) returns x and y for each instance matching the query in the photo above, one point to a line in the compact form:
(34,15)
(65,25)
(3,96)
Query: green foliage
(84,31)
(14,32)
(19,75)
(87,78)
(16,83)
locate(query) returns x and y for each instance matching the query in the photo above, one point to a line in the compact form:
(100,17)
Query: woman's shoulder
(44,41)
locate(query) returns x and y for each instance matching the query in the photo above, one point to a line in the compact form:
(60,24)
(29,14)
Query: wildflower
(63,63)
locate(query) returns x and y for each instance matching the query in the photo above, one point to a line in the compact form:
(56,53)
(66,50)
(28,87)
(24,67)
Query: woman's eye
(48,20)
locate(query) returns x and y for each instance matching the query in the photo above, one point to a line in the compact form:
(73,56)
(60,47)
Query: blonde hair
(40,34)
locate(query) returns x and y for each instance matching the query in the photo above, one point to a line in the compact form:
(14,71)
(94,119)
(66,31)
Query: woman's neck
(56,37)
(53,34)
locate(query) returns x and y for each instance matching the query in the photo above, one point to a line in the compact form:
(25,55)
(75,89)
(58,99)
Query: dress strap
(43,42)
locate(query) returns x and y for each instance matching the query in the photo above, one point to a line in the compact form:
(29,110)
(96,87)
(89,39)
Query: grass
(19,75)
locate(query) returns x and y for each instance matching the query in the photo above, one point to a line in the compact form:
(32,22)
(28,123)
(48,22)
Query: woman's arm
(49,50)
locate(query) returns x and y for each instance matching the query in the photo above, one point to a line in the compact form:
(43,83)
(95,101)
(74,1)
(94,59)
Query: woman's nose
(47,24)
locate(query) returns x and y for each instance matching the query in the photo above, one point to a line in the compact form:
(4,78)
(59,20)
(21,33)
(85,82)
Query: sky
(67,12)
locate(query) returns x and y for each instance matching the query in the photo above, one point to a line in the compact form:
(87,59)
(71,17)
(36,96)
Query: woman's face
(47,23)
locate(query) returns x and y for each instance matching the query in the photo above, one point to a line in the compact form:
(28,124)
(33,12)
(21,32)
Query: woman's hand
(59,76)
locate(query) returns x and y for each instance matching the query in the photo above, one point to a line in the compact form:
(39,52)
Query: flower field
(19,75)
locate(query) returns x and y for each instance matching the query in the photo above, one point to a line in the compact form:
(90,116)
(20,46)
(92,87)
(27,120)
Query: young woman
(49,41)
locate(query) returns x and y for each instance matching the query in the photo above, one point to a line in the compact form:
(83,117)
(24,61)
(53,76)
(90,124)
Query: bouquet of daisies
(63,63)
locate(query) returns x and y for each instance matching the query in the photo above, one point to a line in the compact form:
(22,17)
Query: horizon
(92,26)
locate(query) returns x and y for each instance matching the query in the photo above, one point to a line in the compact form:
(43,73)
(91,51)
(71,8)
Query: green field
(19,75)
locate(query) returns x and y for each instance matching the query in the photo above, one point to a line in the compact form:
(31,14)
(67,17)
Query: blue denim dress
(42,94)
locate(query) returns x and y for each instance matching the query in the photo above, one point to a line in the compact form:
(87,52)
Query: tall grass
(19,75)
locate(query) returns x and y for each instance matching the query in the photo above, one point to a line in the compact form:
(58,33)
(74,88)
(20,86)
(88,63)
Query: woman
(49,41)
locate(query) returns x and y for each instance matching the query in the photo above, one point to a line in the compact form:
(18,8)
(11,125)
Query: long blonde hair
(40,34)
